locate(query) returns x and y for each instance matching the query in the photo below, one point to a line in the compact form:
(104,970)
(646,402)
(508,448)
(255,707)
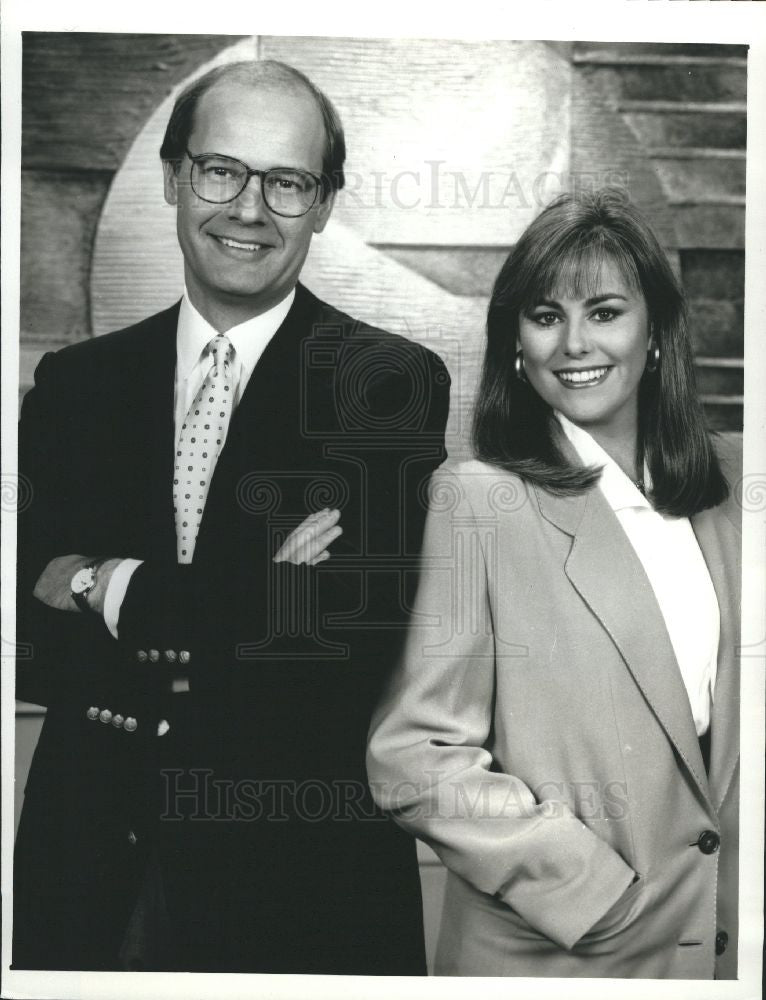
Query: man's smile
(249,246)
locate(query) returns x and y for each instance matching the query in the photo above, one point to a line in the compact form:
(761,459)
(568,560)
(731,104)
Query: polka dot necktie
(203,434)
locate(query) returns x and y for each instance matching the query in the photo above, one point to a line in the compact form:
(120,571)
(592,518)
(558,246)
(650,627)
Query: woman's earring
(518,365)
(653,358)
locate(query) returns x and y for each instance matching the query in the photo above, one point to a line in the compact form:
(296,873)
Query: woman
(563,729)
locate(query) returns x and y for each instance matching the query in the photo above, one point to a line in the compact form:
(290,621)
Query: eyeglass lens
(220,179)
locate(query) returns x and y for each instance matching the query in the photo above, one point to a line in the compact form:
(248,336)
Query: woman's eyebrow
(603,298)
(593,301)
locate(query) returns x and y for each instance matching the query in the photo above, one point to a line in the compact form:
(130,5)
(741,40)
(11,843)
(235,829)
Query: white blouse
(673,562)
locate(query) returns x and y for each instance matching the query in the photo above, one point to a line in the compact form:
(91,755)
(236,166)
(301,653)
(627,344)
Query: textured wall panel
(684,82)
(637,50)
(717,227)
(606,151)
(703,179)
(717,327)
(59,215)
(716,273)
(86,95)
(689,128)
(460,270)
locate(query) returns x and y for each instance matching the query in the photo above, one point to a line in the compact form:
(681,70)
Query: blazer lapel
(159,431)
(604,569)
(270,411)
(265,439)
(720,544)
(141,426)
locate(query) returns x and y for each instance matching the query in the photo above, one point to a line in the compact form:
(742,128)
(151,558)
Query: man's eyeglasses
(286,191)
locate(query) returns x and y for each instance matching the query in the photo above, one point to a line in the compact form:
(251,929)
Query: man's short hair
(270,73)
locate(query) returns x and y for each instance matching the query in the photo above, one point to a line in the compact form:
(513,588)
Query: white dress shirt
(673,562)
(249,340)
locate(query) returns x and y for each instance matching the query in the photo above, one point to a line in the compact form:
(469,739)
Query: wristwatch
(83,583)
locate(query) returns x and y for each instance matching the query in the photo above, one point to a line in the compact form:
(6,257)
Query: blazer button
(92,713)
(721,941)
(184,656)
(142,656)
(105,716)
(130,725)
(171,656)
(709,842)
(117,720)
(154,655)
(132,838)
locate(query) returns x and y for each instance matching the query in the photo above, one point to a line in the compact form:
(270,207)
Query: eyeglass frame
(260,174)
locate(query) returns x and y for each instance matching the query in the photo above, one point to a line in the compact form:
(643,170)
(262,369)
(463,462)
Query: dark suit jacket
(274,856)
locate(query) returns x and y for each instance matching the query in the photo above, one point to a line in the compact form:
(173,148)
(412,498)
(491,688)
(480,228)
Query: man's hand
(54,584)
(308,543)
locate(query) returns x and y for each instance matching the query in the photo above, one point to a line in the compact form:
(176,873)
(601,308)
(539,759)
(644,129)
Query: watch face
(82,580)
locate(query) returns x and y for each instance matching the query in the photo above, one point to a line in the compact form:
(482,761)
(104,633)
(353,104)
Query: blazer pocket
(617,917)
(508,922)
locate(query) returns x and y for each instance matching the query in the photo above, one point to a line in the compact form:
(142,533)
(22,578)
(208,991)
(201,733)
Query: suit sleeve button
(184,656)
(154,655)
(132,838)
(721,941)
(171,656)
(92,713)
(105,716)
(708,842)
(130,725)
(117,720)
(142,656)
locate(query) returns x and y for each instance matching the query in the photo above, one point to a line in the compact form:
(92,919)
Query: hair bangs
(574,268)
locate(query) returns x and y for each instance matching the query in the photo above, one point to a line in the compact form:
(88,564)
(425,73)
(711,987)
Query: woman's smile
(583,378)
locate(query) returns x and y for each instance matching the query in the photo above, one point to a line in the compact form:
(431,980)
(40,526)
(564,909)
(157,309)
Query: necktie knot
(221,349)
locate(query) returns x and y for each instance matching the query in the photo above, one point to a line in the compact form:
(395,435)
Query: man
(198,798)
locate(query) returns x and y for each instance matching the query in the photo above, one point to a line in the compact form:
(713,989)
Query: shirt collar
(249,339)
(620,492)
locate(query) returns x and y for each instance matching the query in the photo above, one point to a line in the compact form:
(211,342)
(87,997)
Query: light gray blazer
(539,737)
